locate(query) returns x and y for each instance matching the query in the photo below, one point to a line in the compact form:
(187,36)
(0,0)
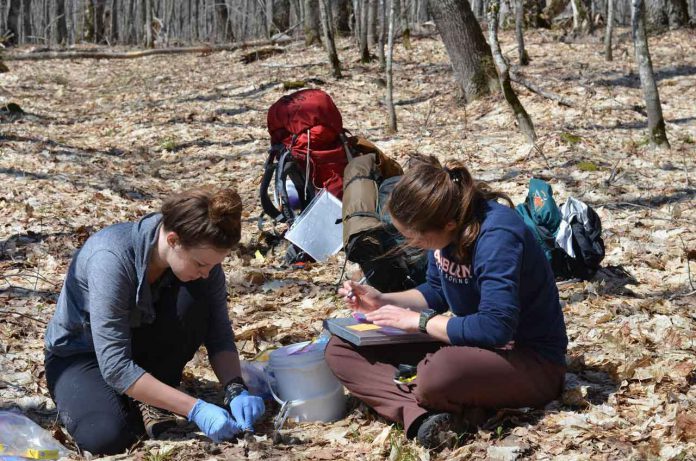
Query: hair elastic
(454,175)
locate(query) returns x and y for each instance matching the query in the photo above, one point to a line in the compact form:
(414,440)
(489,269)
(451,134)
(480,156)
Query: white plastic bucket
(301,381)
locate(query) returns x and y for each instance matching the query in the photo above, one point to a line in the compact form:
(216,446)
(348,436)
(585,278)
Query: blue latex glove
(246,409)
(213,421)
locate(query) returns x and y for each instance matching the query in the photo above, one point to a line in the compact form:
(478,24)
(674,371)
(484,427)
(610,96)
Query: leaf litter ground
(105,141)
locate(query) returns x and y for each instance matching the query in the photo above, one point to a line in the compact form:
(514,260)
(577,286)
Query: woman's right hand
(361,298)
(215,422)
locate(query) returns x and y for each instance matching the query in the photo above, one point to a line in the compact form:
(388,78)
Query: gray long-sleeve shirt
(106,293)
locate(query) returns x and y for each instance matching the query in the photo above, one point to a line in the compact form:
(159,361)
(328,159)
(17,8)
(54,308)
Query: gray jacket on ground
(106,293)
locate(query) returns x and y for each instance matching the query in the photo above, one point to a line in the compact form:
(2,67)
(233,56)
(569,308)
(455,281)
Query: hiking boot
(441,430)
(156,421)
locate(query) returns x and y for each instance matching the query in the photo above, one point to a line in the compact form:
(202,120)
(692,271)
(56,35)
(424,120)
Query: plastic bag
(254,376)
(20,437)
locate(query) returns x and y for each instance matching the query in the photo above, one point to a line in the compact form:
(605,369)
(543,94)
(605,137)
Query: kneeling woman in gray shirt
(138,301)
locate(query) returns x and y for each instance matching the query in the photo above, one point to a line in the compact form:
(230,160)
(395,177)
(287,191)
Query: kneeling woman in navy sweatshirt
(504,343)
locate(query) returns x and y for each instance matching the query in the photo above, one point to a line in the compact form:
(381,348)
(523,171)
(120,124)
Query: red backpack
(309,125)
(309,147)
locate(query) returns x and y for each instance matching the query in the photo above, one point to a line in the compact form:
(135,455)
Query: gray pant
(450,378)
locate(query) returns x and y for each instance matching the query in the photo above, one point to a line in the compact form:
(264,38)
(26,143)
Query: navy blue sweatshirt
(508,293)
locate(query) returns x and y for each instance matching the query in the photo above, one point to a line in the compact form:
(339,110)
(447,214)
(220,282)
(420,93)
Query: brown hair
(203,217)
(430,195)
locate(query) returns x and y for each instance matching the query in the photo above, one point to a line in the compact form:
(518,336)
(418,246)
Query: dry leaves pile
(104,141)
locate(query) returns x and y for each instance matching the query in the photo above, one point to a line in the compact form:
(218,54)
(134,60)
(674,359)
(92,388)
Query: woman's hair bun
(224,204)
(204,216)
(225,209)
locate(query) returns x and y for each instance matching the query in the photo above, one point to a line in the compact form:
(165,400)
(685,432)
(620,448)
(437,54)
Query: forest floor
(104,141)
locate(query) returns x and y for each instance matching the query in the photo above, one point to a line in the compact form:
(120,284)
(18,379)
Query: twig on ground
(9,313)
(686,171)
(537,146)
(688,265)
(290,66)
(536,89)
(612,176)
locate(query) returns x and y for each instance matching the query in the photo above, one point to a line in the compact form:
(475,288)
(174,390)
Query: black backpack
(588,247)
(381,251)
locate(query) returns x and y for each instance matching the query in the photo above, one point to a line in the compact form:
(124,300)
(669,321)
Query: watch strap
(233,388)
(425,316)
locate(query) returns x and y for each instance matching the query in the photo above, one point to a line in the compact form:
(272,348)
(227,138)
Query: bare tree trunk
(57,21)
(281,15)
(113,18)
(609,32)
(341,11)
(656,122)
(677,13)
(148,24)
(382,33)
(392,126)
(13,21)
(405,28)
(372,23)
(222,15)
(523,119)
(311,21)
(326,26)
(98,20)
(357,12)
(364,47)
(469,53)
(26,21)
(519,32)
(581,19)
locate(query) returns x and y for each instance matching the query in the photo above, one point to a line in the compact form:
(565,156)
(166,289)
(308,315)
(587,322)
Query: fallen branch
(8,313)
(130,54)
(260,54)
(541,92)
(290,66)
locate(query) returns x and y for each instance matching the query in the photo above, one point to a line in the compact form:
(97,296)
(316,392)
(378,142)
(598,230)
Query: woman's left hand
(394,316)
(247,409)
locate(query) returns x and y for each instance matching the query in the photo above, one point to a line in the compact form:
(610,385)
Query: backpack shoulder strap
(269,168)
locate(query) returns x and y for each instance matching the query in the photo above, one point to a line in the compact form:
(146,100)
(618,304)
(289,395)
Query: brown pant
(450,378)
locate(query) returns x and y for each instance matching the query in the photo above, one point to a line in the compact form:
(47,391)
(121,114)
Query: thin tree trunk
(12,23)
(364,46)
(149,43)
(113,32)
(608,55)
(341,11)
(26,20)
(281,15)
(356,21)
(519,32)
(469,53)
(372,23)
(392,126)
(656,122)
(405,28)
(382,33)
(311,21)
(326,20)
(581,20)
(523,119)
(677,13)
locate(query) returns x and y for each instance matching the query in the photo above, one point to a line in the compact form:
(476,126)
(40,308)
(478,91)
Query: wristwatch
(425,316)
